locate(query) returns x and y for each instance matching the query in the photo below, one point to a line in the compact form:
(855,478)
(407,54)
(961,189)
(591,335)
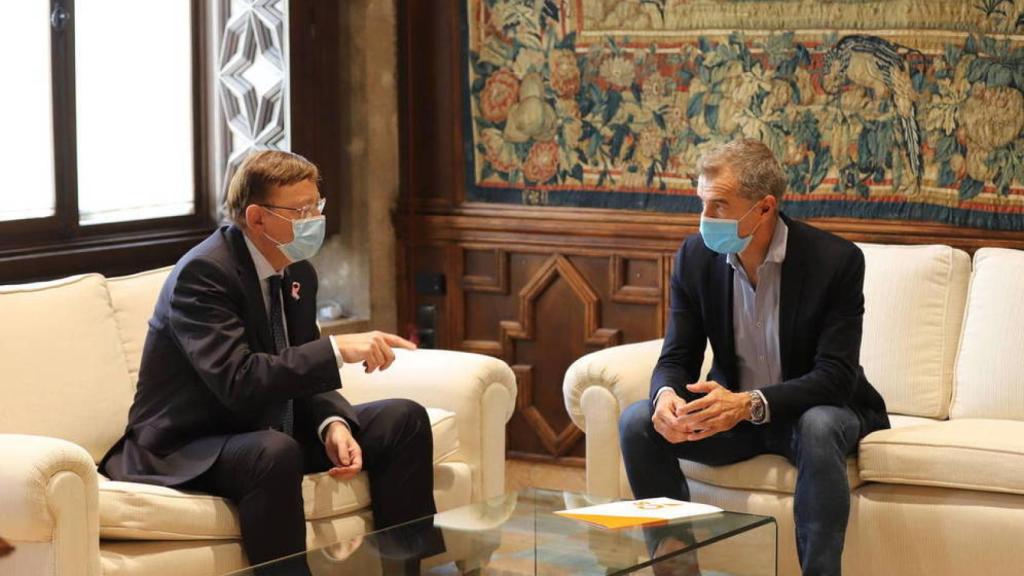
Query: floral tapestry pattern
(909,110)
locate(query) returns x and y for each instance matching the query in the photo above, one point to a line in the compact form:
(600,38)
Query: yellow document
(638,512)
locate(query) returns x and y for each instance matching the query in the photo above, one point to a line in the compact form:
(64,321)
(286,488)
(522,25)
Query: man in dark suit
(238,392)
(782,304)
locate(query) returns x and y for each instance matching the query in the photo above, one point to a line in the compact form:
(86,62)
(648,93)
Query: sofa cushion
(990,368)
(901,421)
(768,473)
(325,497)
(973,454)
(913,311)
(135,511)
(445,432)
(772,473)
(133,298)
(64,370)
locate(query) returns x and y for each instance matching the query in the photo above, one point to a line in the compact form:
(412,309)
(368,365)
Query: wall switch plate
(430,284)
(426,324)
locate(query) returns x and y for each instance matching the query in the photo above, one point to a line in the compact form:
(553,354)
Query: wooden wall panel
(429,44)
(539,308)
(425,261)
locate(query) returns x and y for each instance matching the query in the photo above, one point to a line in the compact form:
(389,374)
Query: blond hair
(751,163)
(259,173)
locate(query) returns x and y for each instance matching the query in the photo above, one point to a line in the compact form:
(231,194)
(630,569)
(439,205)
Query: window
(27,152)
(124,120)
(105,135)
(133,110)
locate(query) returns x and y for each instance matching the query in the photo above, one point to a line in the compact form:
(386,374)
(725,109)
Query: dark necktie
(280,342)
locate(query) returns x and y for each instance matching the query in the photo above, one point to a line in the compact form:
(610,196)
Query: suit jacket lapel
(790,293)
(255,308)
(294,309)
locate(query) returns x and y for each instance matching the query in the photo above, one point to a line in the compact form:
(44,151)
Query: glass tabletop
(519,534)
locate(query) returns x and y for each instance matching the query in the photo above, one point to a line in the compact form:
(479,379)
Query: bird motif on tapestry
(874,63)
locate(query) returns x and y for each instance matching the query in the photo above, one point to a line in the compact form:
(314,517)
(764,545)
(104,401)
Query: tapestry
(878,110)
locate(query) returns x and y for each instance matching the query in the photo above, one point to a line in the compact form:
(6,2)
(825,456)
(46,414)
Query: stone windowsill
(344,326)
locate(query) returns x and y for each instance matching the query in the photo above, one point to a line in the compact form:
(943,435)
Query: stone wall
(357,267)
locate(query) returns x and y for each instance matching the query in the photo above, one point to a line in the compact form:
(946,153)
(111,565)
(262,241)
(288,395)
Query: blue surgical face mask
(307,237)
(722,234)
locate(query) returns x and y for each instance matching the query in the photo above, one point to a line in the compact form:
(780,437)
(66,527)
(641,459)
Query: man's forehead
(721,187)
(300,193)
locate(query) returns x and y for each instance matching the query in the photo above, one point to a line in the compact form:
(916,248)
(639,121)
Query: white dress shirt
(264,271)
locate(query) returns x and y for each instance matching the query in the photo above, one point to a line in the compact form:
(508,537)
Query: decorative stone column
(251,70)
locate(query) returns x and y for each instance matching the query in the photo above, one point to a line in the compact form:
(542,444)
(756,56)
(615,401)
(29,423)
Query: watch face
(756,408)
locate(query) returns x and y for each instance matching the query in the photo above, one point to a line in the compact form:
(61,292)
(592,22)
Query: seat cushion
(64,370)
(324,496)
(135,511)
(988,373)
(973,454)
(768,473)
(772,473)
(913,311)
(445,432)
(900,421)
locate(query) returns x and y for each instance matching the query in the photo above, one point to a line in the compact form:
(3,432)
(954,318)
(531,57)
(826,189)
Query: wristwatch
(757,415)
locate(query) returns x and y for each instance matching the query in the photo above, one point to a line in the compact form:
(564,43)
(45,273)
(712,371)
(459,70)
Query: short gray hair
(751,163)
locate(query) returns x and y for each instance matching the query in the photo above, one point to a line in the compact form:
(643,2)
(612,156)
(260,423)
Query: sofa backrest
(133,298)
(64,368)
(913,312)
(990,366)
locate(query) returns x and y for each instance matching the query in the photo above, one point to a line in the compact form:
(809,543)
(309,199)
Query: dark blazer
(821,313)
(208,368)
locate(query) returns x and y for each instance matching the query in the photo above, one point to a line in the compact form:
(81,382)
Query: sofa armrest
(49,495)
(623,371)
(597,388)
(480,390)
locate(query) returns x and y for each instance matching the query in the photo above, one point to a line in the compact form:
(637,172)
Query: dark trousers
(261,473)
(817,444)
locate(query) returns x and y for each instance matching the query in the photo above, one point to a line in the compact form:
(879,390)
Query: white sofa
(942,492)
(70,352)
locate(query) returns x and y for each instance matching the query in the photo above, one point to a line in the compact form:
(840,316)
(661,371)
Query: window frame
(56,245)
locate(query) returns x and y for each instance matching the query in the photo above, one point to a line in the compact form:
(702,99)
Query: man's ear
(770,203)
(253,217)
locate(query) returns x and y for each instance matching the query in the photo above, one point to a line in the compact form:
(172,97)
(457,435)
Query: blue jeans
(817,444)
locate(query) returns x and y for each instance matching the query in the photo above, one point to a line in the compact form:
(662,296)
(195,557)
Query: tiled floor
(521,474)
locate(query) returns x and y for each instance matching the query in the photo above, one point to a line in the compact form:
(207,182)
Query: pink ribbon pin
(295,290)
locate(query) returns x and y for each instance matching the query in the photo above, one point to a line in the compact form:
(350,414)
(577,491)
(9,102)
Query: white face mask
(307,237)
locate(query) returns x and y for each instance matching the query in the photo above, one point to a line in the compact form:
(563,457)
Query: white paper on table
(638,512)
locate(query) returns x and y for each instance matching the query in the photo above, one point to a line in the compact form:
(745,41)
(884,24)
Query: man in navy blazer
(782,305)
(238,392)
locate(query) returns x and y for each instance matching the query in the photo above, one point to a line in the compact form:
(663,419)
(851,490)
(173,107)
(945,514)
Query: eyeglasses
(305,212)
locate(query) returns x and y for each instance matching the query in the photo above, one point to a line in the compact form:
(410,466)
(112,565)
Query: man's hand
(343,550)
(343,450)
(681,565)
(719,410)
(373,349)
(666,416)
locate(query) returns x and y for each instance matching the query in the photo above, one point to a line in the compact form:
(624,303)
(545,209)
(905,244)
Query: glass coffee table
(519,534)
